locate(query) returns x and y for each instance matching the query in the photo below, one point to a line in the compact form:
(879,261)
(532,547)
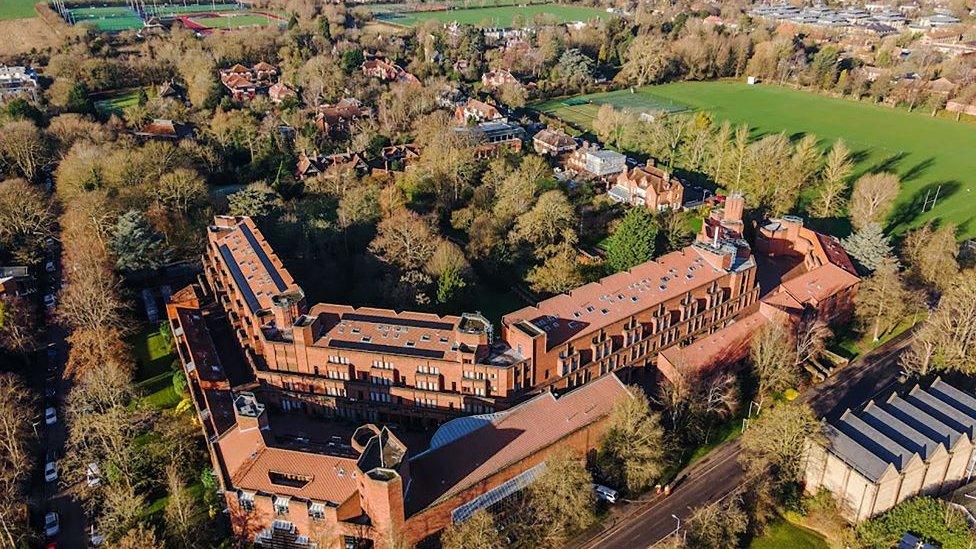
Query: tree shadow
(908,211)
(918,169)
(834,226)
(888,164)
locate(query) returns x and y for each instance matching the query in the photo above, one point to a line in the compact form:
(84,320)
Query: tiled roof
(725,346)
(260,268)
(385,330)
(199,344)
(819,284)
(253,466)
(521,432)
(893,433)
(618,296)
(555,138)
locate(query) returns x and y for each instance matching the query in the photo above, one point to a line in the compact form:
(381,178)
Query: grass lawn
(17,9)
(236,21)
(498,16)
(117,104)
(925,151)
(154,377)
(785,534)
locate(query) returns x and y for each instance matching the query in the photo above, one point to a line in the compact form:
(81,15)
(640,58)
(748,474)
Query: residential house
(917,441)
(379,67)
(942,86)
(476,111)
(497,78)
(336,119)
(18,82)
(648,186)
(396,158)
(488,138)
(244,83)
(15,281)
(164,129)
(316,164)
(593,160)
(279,92)
(551,142)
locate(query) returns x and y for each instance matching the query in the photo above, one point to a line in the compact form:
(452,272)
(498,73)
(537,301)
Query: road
(718,474)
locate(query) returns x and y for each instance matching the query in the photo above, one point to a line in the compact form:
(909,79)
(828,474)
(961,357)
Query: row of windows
(246,502)
(425,369)
(377,380)
(379,397)
(338,359)
(382,364)
(425,402)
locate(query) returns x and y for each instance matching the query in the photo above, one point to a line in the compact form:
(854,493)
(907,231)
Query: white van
(608,495)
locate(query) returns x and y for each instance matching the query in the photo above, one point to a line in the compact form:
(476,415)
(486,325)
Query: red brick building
(648,186)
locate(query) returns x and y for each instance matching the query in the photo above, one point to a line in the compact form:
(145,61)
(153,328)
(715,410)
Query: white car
(50,416)
(50,472)
(94,538)
(608,495)
(93,476)
(52,526)
(50,301)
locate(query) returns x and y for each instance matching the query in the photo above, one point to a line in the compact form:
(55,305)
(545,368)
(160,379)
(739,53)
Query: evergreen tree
(632,243)
(136,244)
(869,247)
(351,60)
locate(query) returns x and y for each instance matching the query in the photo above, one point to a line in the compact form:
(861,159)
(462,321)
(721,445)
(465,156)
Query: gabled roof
(894,434)
(505,439)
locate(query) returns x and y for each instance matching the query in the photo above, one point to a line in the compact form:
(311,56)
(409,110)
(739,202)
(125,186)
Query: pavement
(718,474)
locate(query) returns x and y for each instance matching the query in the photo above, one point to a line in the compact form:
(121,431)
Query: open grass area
(117,104)
(785,534)
(154,376)
(236,21)
(494,16)
(16,9)
(925,152)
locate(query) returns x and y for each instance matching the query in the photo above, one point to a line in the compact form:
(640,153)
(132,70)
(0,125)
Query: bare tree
(26,219)
(17,325)
(479,531)
(882,300)
(873,198)
(717,525)
(24,146)
(811,334)
(773,356)
(17,409)
(560,502)
(632,451)
(931,254)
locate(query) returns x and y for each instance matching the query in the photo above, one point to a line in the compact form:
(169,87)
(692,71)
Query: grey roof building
(916,442)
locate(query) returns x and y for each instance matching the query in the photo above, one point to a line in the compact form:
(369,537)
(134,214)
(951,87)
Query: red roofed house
(497,78)
(315,164)
(648,186)
(553,142)
(381,68)
(335,119)
(279,92)
(245,83)
(475,110)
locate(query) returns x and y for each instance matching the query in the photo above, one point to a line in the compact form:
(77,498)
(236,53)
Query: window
(382,364)
(245,500)
(316,510)
(280,505)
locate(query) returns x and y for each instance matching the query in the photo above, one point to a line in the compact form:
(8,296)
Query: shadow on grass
(906,212)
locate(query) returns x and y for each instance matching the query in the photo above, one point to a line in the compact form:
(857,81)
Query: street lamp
(678,527)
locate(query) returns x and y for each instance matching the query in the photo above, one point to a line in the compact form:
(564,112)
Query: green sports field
(494,16)
(16,9)
(236,21)
(179,9)
(926,152)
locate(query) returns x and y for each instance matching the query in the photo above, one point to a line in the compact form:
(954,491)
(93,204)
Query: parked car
(50,415)
(52,524)
(50,472)
(50,301)
(608,495)
(49,266)
(92,475)
(94,538)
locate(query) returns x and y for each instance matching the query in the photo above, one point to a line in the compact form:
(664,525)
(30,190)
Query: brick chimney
(734,207)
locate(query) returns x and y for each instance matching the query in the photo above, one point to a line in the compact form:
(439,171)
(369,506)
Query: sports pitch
(493,16)
(235,21)
(926,152)
(16,9)
(107,19)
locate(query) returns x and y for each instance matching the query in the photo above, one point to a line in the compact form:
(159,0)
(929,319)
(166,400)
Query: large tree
(632,242)
(648,59)
(26,219)
(24,146)
(405,240)
(947,339)
(632,452)
(931,254)
(18,328)
(873,198)
(837,169)
(560,501)
(137,246)
(479,531)
(773,360)
(883,299)
(17,409)
(773,445)
(717,525)
(869,247)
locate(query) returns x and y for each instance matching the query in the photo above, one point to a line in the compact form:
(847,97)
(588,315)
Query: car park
(52,524)
(50,415)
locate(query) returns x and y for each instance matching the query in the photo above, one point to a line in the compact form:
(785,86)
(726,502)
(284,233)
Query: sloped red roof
(510,437)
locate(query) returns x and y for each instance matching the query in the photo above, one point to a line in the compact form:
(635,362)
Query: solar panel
(390,349)
(240,279)
(413,323)
(265,260)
